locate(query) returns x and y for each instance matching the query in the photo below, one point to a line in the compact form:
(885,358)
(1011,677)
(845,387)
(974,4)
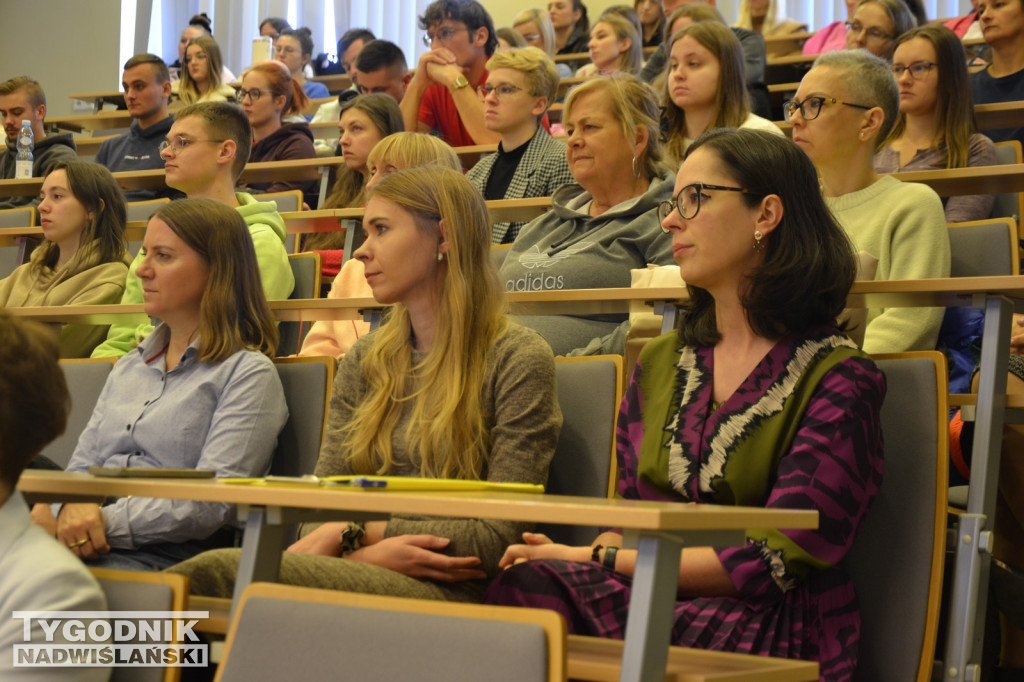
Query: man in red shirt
(442,95)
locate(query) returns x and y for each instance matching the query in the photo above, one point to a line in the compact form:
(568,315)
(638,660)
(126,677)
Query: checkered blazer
(541,171)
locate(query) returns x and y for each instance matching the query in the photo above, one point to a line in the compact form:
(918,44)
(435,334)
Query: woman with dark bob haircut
(759,400)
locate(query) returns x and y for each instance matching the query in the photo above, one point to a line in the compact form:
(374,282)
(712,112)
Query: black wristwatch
(350,537)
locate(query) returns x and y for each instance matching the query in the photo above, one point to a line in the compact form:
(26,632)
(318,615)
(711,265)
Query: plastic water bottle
(26,143)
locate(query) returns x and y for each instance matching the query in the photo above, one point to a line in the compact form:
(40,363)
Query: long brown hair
(732,104)
(188,89)
(103,237)
(954,106)
(234,313)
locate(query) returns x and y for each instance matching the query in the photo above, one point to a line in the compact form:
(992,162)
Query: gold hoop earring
(758,244)
(636,168)
(440,256)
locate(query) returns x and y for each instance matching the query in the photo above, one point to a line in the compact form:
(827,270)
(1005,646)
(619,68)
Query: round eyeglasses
(687,201)
(811,107)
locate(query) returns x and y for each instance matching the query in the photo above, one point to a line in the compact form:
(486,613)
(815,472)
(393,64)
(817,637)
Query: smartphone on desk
(149,472)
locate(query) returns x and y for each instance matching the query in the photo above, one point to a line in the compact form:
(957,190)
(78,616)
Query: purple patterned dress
(803,431)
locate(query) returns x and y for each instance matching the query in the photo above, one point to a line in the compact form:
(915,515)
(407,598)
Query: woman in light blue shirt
(199,392)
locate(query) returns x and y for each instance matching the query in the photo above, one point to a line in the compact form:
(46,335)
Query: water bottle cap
(25,123)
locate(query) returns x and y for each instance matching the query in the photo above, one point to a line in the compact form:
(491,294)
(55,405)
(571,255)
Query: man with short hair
(521,85)
(350,44)
(147,92)
(442,95)
(23,99)
(381,67)
(205,152)
(36,573)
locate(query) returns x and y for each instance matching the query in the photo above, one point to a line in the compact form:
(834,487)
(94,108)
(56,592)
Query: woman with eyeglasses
(876,24)
(521,85)
(200,79)
(936,126)
(758,399)
(872,25)
(294,49)
(845,105)
(268,94)
(705,87)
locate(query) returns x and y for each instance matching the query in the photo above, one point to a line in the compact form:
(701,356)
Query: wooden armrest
(220,613)
(593,658)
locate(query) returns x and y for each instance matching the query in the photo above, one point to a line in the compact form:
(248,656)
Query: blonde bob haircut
(412,150)
(632,60)
(544,26)
(447,434)
(634,104)
(233,313)
(538,68)
(732,104)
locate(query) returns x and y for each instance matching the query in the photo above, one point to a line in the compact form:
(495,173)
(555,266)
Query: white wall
(67,46)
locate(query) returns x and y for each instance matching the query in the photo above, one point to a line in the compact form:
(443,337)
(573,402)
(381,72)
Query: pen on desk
(367,483)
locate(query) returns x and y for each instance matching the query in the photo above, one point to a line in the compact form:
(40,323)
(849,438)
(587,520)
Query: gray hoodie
(566,248)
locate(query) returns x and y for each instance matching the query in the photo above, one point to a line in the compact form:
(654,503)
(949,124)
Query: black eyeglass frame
(665,208)
(789,106)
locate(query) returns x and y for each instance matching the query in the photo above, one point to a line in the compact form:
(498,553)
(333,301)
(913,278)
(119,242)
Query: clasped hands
(417,556)
(439,66)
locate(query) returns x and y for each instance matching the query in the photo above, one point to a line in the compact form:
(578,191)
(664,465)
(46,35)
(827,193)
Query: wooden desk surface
(999,115)
(292,169)
(864,294)
(536,508)
(102,120)
(335,83)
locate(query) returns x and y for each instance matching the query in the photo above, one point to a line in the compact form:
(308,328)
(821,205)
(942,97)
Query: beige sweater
(103,283)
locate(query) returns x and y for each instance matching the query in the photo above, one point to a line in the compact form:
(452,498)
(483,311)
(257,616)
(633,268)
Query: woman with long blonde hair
(447,387)
(200,78)
(398,151)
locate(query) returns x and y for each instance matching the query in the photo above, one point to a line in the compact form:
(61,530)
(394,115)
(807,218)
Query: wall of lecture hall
(73,47)
(66,46)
